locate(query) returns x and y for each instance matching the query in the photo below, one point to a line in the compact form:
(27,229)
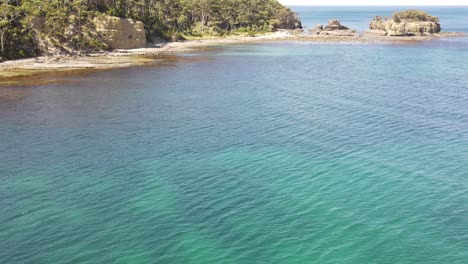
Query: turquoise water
(265,153)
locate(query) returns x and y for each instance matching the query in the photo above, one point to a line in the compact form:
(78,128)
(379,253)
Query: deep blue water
(286,152)
(453,19)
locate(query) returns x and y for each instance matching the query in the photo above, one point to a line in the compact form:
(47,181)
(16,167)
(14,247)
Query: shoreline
(139,57)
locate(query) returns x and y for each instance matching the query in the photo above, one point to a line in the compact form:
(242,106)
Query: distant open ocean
(453,19)
(282,152)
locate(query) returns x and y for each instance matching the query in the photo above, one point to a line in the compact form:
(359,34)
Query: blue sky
(375,2)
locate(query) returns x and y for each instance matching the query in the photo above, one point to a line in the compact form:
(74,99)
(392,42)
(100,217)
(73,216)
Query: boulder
(121,33)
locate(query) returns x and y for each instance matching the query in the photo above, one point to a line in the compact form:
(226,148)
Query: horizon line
(462,5)
(385,5)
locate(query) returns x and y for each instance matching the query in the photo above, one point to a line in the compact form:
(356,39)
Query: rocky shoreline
(135,57)
(405,27)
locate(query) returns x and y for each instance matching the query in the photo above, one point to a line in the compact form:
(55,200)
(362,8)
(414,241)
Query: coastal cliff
(121,33)
(407,23)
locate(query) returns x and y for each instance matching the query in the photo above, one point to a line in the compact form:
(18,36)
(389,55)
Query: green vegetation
(28,26)
(15,39)
(414,15)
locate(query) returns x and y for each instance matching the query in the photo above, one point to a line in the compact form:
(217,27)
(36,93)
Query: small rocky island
(333,28)
(406,23)
(409,25)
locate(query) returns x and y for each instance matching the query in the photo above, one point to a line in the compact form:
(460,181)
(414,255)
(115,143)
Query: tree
(9,12)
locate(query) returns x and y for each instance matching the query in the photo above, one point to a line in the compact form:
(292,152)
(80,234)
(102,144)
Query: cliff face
(121,33)
(403,28)
(407,23)
(288,20)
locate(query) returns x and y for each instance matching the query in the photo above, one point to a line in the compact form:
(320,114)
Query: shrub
(414,15)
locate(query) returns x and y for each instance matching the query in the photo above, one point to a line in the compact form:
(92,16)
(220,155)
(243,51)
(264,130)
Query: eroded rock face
(121,33)
(293,23)
(335,24)
(404,27)
(333,28)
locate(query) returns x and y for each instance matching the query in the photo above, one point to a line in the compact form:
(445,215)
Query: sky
(376,2)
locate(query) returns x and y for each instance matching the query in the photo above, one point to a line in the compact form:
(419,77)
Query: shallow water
(263,153)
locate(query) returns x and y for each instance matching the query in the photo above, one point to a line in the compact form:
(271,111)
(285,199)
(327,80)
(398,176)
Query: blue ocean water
(283,152)
(453,19)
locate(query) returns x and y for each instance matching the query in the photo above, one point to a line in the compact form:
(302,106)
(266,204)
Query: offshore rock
(121,33)
(335,24)
(407,23)
(333,28)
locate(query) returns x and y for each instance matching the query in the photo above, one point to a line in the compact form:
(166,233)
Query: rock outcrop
(287,20)
(407,23)
(121,33)
(335,24)
(318,27)
(293,23)
(333,28)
